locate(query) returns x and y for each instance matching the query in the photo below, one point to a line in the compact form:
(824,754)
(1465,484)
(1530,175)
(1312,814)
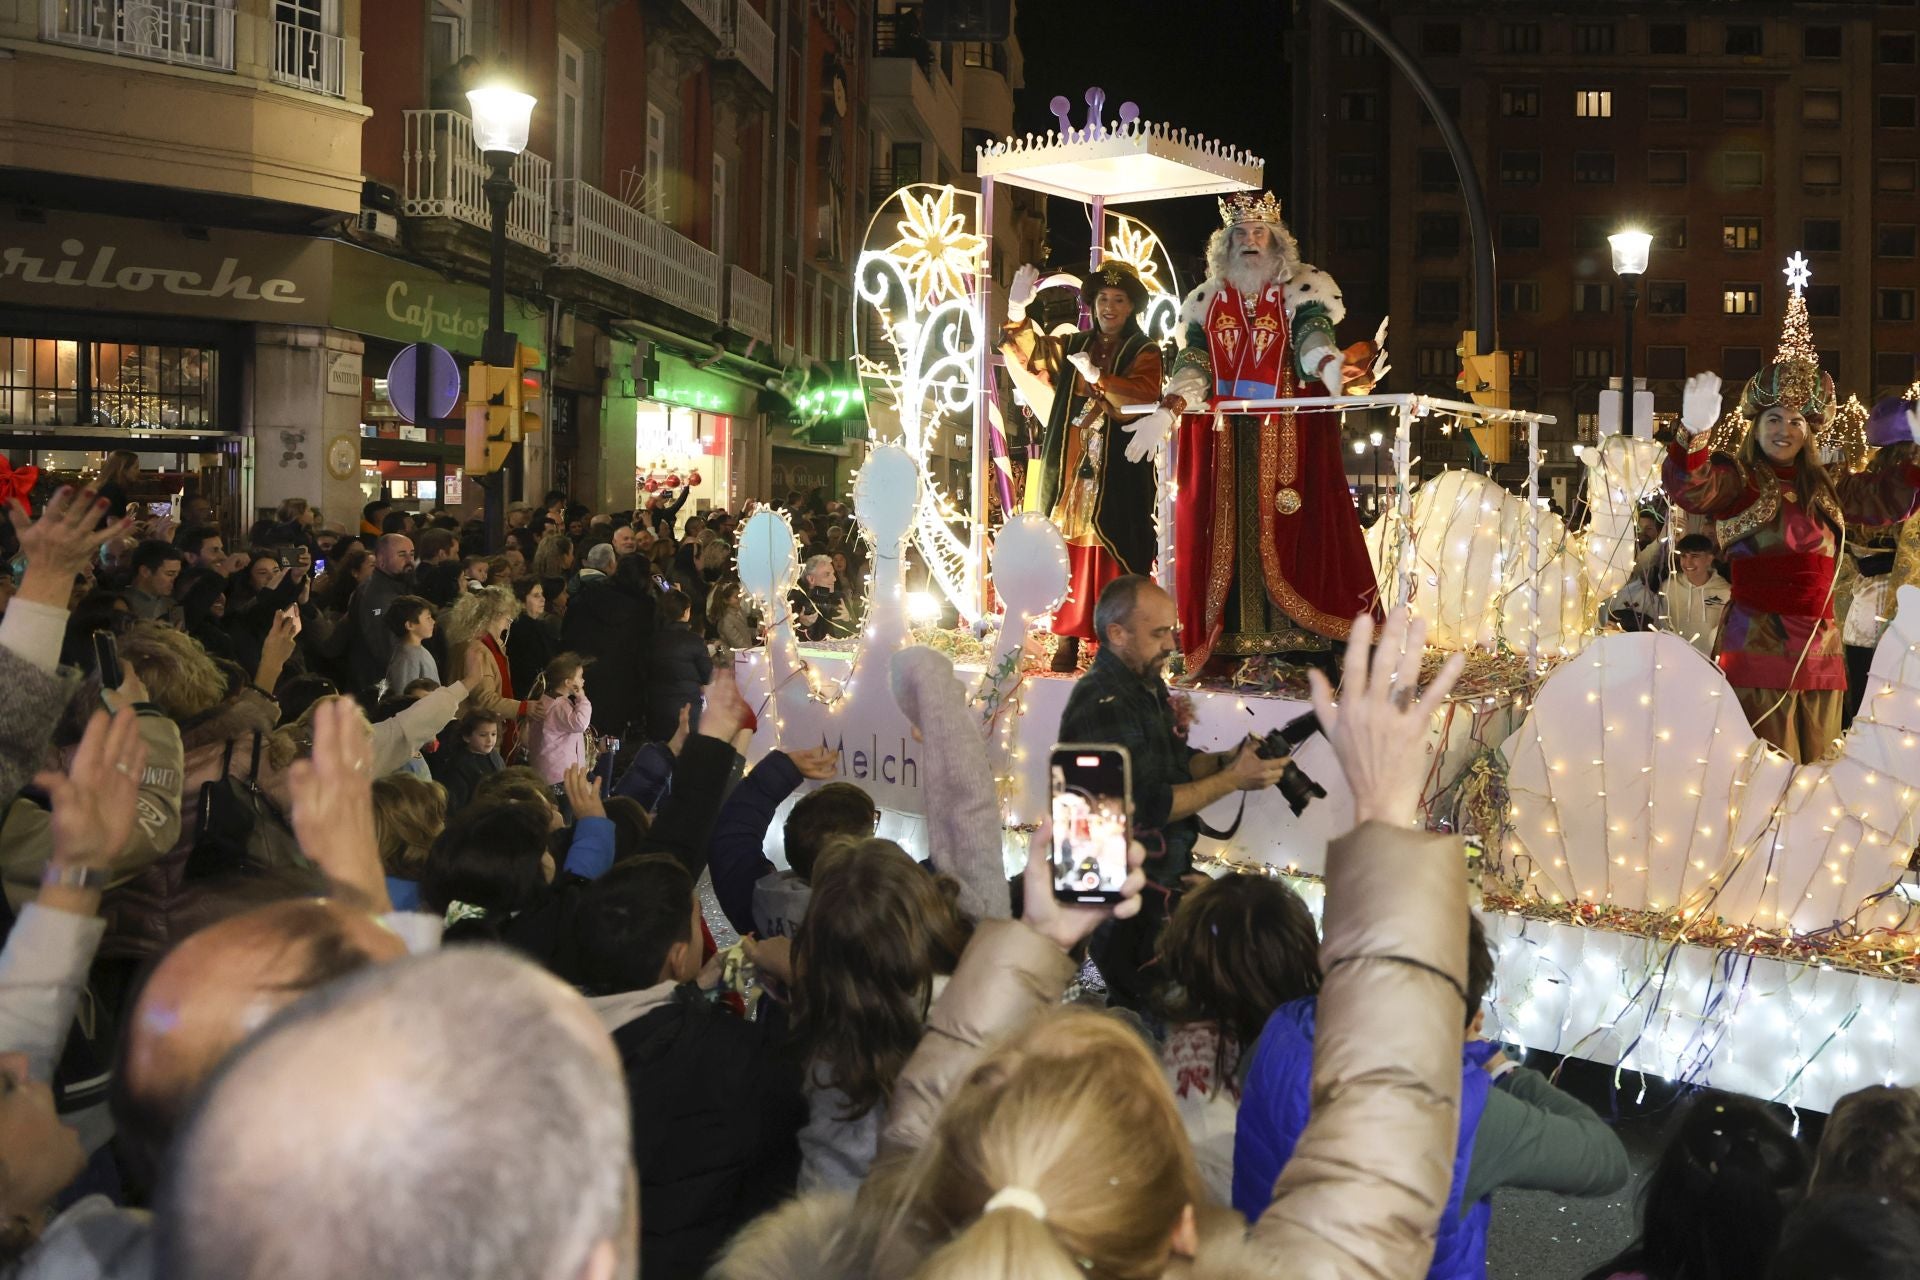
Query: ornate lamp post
(502,118)
(1630,251)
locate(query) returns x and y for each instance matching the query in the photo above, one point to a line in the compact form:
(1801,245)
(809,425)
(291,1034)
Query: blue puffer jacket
(1273,1113)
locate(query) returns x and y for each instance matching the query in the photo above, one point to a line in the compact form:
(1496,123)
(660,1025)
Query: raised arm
(963,807)
(1888,491)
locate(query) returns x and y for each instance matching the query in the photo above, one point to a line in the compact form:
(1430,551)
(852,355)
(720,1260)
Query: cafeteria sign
(389,298)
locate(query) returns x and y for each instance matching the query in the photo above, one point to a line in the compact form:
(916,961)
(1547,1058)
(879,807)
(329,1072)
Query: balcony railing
(595,232)
(749,304)
(446,178)
(191,33)
(712,13)
(310,60)
(749,40)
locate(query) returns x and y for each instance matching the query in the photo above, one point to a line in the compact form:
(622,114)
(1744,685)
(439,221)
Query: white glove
(1315,361)
(1083,364)
(1700,403)
(1381,365)
(1146,435)
(1026,283)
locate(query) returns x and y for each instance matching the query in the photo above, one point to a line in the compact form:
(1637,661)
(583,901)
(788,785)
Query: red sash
(1246,350)
(1796,583)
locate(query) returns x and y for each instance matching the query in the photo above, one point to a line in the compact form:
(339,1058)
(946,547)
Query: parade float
(1665,892)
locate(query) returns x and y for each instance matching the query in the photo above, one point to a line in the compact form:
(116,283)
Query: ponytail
(1003,1244)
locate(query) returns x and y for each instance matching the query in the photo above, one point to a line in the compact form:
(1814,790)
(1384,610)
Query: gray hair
(1116,604)
(1288,247)
(458,1116)
(603,557)
(814,562)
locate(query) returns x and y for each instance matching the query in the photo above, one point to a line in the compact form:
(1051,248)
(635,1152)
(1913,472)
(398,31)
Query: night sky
(1209,65)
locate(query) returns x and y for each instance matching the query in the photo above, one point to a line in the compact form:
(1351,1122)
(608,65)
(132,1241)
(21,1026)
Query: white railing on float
(310,60)
(188,33)
(446,177)
(594,232)
(749,303)
(749,40)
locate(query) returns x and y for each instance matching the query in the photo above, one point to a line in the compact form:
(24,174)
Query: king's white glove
(1083,364)
(1146,435)
(1026,283)
(1700,403)
(1316,362)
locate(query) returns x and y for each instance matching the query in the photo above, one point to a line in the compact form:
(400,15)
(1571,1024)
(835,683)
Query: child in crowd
(557,739)
(475,573)
(1716,1201)
(474,754)
(408,814)
(410,619)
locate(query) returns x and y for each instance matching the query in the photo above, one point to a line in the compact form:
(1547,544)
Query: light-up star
(1798,272)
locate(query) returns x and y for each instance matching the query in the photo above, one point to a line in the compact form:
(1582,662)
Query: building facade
(1737,134)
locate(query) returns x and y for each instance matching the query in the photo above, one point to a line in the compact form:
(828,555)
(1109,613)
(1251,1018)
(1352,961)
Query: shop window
(50,382)
(1823,300)
(1519,231)
(1667,298)
(1894,240)
(1740,233)
(1519,168)
(1740,300)
(1820,235)
(1666,364)
(1666,102)
(1742,106)
(1667,168)
(39,382)
(1667,38)
(1739,363)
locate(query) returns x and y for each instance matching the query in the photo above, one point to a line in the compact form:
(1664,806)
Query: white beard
(1252,275)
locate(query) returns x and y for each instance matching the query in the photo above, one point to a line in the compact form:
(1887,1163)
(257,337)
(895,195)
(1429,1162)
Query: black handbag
(241,831)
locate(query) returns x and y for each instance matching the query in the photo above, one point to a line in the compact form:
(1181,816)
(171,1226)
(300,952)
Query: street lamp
(1630,250)
(502,118)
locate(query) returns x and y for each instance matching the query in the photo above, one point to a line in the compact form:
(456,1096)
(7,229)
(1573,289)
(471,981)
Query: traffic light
(499,409)
(1487,380)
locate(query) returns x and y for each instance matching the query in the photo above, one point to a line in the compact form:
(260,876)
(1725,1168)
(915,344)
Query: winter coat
(1369,1178)
(531,644)
(716,1105)
(611,621)
(559,738)
(490,687)
(371,644)
(681,667)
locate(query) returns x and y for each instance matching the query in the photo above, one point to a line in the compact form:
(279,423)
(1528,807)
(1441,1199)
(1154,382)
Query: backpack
(241,830)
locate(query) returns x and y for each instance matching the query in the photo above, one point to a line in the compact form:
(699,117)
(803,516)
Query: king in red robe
(1268,554)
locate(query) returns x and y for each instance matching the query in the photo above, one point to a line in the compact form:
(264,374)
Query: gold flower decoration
(1134,245)
(935,250)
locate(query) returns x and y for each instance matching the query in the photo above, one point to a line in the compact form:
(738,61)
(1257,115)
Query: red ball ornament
(673,481)
(693,477)
(651,485)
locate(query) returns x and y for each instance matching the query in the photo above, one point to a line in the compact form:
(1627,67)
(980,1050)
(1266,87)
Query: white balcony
(188,33)
(749,304)
(446,178)
(712,13)
(594,232)
(749,41)
(310,60)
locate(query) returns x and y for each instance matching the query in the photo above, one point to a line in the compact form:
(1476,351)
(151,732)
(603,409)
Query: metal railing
(595,232)
(712,13)
(446,178)
(749,303)
(189,33)
(310,60)
(897,35)
(749,40)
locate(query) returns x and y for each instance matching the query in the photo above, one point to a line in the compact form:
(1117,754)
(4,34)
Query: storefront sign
(801,470)
(85,262)
(389,298)
(343,373)
(681,383)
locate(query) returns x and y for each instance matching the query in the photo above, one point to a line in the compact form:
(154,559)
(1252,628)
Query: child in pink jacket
(558,739)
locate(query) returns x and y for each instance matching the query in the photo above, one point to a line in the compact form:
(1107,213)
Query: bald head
(459,1116)
(219,986)
(393,553)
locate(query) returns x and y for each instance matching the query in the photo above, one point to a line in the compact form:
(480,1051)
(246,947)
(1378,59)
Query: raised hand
(1069,923)
(94,800)
(332,793)
(1700,402)
(1378,730)
(1026,283)
(61,543)
(817,764)
(583,793)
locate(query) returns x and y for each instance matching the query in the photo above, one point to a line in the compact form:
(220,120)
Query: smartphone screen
(1091,795)
(319,567)
(106,658)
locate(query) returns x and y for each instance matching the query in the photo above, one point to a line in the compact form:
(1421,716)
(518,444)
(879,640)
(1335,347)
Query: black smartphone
(1090,786)
(106,659)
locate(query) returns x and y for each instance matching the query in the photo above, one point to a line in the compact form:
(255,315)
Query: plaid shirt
(1112,704)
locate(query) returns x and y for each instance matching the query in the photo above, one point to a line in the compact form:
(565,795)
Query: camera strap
(1232,827)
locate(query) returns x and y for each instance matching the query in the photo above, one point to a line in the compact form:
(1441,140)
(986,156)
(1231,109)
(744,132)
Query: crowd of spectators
(350,935)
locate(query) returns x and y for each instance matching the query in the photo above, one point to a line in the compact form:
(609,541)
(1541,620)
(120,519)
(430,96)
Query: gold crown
(1236,209)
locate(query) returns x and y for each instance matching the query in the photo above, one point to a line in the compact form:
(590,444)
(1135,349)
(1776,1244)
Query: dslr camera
(1295,784)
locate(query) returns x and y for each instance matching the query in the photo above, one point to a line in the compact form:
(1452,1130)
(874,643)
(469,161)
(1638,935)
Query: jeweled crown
(1243,207)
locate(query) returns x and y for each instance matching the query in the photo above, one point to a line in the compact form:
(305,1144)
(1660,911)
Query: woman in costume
(1091,483)
(1781,521)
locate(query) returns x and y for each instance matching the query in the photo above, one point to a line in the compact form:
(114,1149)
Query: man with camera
(1123,699)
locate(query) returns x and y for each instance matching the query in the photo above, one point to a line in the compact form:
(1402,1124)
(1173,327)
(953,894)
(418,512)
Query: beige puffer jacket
(1368,1181)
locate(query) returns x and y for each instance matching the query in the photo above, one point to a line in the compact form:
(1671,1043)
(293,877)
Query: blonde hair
(408,814)
(181,679)
(118,467)
(290,510)
(473,614)
(294,740)
(1075,1110)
